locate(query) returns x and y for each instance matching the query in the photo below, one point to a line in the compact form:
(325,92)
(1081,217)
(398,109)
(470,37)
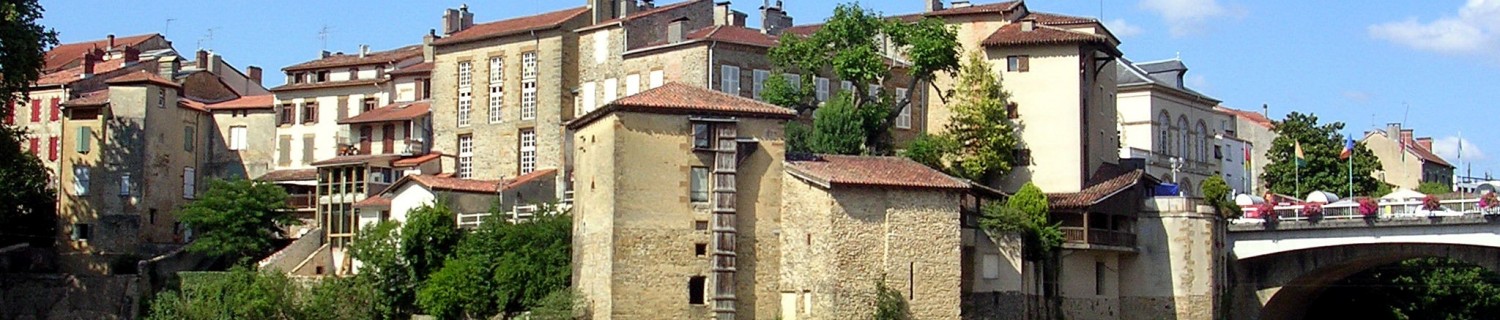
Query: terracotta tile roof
(1252,117)
(1425,154)
(94,98)
(75,74)
(528,178)
(734,34)
(677,98)
(417,160)
(393,112)
(640,14)
(998,7)
(1011,34)
(348,59)
(265,101)
(868,171)
(1058,19)
(803,30)
(290,175)
(420,68)
(1107,181)
(142,77)
(192,105)
(507,27)
(65,54)
(374,202)
(353,159)
(456,184)
(326,84)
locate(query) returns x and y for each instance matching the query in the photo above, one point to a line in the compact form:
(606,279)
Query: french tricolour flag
(1348,149)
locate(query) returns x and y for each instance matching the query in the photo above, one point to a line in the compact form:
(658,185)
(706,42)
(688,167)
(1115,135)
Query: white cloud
(1122,29)
(1185,17)
(1476,29)
(1357,96)
(1447,147)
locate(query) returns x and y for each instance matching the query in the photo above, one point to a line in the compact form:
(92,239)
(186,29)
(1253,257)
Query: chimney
(1393,130)
(1406,135)
(111,38)
(254,73)
(960,3)
(774,18)
(1028,25)
(627,8)
(88,65)
(465,18)
(167,66)
(1265,111)
(427,50)
(934,5)
(648,4)
(675,32)
(202,59)
(322,54)
(364,50)
(1426,143)
(132,55)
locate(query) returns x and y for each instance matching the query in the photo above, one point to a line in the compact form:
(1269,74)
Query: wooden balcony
(1084,236)
(301,201)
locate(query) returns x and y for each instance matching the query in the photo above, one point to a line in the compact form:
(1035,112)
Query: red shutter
(52,148)
(55,110)
(36,110)
(10,118)
(35,144)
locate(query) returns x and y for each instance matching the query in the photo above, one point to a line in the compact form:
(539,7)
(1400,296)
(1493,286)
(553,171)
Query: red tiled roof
(75,74)
(192,105)
(290,175)
(1011,34)
(345,60)
(417,160)
(803,30)
(394,112)
(456,184)
(1107,181)
(420,68)
(868,171)
(528,178)
(998,7)
(677,98)
(1425,154)
(353,158)
(374,202)
(640,14)
(507,27)
(735,34)
(265,101)
(67,53)
(143,77)
(94,98)
(1252,117)
(326,84)
(1057,19)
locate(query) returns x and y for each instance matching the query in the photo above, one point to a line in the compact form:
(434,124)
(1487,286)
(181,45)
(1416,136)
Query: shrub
(1367,207)
(1312,209)
(1267,211)
(1489,201)
(1430,203)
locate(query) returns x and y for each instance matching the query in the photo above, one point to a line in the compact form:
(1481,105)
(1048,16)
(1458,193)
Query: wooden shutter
(307,149)
(84,135)
(1025,63)
(56,112)
(285,145)
(343,107)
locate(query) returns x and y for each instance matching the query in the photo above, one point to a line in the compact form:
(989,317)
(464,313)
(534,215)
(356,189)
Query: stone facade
(259,155)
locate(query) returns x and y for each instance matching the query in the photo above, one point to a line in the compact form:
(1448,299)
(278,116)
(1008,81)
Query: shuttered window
(729,80)
(85,135)
(189,183)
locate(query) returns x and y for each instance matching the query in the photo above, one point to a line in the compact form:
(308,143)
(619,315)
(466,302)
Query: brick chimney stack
(132,55)
(88,64)
(111,38)
(455,20)
(254,73)
(201,60)
(774,18)
(1425,142)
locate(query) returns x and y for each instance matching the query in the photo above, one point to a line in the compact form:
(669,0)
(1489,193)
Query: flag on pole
(1247,158)
(1348,149)
(1403,149)
(1301,160)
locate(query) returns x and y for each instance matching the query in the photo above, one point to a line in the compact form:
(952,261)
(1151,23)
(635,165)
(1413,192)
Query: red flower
(1430,203)
(1367,207)
(1267,211)
(1312,209)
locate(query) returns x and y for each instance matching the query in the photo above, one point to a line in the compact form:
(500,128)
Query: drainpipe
(710,81)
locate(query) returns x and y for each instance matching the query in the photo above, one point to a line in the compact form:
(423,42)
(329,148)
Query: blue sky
(1358,62)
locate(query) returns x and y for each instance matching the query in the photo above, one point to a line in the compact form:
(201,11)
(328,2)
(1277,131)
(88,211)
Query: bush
(889,304)
(1431,203)
(1367,207)
(562,304)
(1217,193)
(1025,214)
(1434,188)
(929,150)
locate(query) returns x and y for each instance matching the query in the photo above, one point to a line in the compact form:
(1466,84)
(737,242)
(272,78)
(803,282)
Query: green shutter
(85,134)
(187,138)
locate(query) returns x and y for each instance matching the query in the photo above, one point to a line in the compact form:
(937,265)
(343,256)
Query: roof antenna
(323,36)
(168,28)
(209,37)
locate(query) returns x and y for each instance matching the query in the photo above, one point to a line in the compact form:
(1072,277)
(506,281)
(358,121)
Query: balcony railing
(1385,210)
(301,201)
(1080,235)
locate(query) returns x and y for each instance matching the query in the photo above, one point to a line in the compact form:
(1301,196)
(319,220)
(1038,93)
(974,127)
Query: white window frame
(758,84)
(465,166)
(657,78)
(189,183)
(465,106)
(729,80)
(632,84)
(822,88)
(527,156)
(80,181)
(794,79)
(903,119)
(237,139)
(497,89)
(528,85)
(528,65)
(846,87)
(465,75)
(874,91)
(611,90)
(497,71)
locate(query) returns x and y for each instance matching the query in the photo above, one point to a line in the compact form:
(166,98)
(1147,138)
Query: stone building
(1406,161)
(237,146)
(1162,121)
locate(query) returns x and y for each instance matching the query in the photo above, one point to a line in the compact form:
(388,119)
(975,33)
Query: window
(161,98)
(632,84)
(759,77)
(702,138)
(353,73)
(794,80)
(700,249)
(52,148)
(528,151)
(426,87)
(465,103)
(310,112)
(874,91)
(610,88)
(903,120)
(1164,138)
(601,46)
(1012,111)
(287,114)
(56,112)
(85,135)
(80,181)
(82,231)
(657,78)
(36,110)
(465,75)
(465,156)
(700,225)
(369,104)
(729,79)
(125,184)
(698,192)
(322,76)
(528,65)
(697,285)
(1018,63)
(822,87)
(187,138)
(1022,157)
(1099,278)
(528,85)
(587,93)
(189,183)
(846,86)
(497,89)
(237,139)
(497,71)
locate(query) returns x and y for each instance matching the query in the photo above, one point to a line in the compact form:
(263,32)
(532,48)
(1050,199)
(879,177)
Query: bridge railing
(1386,210)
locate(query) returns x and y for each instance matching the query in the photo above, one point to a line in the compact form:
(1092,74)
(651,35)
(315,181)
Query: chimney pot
(88,65)
(202,59)
(934,5)
(675,32)
(364,50)
(111,41)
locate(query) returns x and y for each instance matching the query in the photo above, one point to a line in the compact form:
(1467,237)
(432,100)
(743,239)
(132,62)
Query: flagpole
(1351,170)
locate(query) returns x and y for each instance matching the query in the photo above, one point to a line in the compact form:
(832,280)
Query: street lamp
(1176,165)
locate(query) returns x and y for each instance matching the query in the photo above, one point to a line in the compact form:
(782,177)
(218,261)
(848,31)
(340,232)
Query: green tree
(1425,288)
(383,267)
(1025,214)
(237,219)
(931,150)
(889,304)
(503,267)
(335,298)
(1216,193)
(461,289)
(562,304)
(27,203)
(429,236)
(839,128)
(1434,188)
(980,135)
(238,294)
(1323,170)
(851,45)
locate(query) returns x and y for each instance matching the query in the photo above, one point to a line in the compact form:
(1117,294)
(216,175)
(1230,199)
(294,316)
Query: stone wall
(58,296)
(1179,268)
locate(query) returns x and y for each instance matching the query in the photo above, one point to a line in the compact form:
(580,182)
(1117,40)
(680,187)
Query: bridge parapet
(1387,210)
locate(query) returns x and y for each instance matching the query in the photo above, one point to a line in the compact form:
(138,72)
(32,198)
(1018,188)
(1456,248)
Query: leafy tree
(383,268)
(335,298)
(839,128)
(981,136)
(429,236)
(562,304)
(1216,193)
(238,294)
(1426,288)
(1025,214)
(237,218)
(503,267)
(1321,145)
(459,290)
(27,204)
(851,44)
(1434,188)
(1381,190)
(889,304)
(931,150)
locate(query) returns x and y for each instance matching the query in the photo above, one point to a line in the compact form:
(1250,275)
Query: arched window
(1182,138)
(1164,138)
(1203,141)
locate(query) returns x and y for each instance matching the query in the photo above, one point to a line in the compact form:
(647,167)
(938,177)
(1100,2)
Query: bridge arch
(1283,285)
